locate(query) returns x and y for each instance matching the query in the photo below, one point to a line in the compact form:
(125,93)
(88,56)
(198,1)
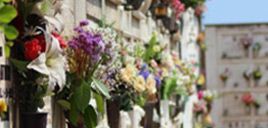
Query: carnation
(32,49)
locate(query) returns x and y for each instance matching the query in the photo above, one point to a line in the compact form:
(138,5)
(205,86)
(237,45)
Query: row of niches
(245,104)
(245,124)
(244,47)
(243,76)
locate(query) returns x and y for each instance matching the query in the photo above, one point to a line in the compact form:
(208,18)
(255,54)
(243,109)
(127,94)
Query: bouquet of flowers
(246,42)
(225,75)
(256,49)
(247,75)
(88,55)
(39,62)
(248,100)
(257,75)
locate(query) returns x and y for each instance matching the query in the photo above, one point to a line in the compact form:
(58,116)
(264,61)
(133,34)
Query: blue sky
(236,11)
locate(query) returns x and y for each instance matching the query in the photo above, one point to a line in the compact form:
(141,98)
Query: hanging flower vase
(33,120)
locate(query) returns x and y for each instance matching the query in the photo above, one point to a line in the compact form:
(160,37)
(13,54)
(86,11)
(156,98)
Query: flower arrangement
(246,43)
(225,75)
(201,41)
(257,75)
(256,49)
(34,58)
(249,100)
(247,75)
(87,53)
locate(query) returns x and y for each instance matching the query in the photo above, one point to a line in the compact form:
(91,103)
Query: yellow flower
(201,80)
(208,119)
(127,73)
(124,76)
(3,106)
(164,72)
(139,84)
(156,48)
(151,84)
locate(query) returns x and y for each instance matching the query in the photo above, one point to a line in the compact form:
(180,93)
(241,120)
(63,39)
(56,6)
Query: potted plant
(246,43)
(256,49)
(257,75)
(224,76)
(201,41)
(247,75)
(248,100)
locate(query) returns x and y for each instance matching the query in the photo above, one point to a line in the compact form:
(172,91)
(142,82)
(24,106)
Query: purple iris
(144,71)
(158,81)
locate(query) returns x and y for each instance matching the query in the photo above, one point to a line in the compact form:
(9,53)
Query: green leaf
(20,65)
(64,104)
(10,43)
(73,115)
(7,51)
(1,28)
(100,102)
(90,117)
(169,88)
(10,32)
(5,1)
(101,88)
(81,96)
(8,13)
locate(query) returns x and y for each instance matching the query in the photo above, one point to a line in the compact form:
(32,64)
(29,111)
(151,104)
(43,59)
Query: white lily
(51,63)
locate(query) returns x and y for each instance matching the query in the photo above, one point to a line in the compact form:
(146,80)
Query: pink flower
(200,95)
(178,7)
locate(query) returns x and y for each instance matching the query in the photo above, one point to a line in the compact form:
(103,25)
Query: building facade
(237,67)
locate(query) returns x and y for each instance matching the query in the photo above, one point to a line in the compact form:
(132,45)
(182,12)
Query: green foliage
(90,117)
(150,53)
(101,88)
(100,102)
(8,13)
(64,104)
(20,65)
(10,32)
(171,87)
(81,96)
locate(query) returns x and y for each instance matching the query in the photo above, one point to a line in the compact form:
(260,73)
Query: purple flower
(83,23)
(158,81)
(78,29)
(144,74)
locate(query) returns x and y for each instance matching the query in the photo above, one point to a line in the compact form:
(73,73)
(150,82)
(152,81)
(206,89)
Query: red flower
(42,42)
(247,98)
(32,49)
(59,38)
